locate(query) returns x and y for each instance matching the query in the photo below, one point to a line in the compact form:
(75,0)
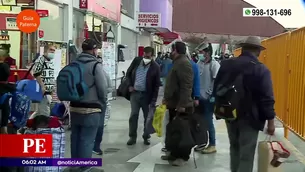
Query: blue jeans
(100,131)
(83,131)
(208,111)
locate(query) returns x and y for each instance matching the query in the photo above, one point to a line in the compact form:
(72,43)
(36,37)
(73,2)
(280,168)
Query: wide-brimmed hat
(202,46)
(253,41)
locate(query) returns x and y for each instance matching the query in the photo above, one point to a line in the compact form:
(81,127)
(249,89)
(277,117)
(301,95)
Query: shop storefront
(145,38)
(53,25)
(22,45)
(79,27)
(157,43)
(101,24)
(101,18)
(156,17)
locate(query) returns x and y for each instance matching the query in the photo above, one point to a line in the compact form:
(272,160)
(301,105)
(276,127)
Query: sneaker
(168,158)
(98,151)
(131,141)
(179,162)
(200,147)
(146,142)
(164,150)
(209,150)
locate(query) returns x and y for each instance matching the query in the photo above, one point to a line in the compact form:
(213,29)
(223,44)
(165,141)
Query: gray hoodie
(109,85)
(98,92)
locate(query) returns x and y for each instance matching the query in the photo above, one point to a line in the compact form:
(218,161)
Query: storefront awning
(168,37)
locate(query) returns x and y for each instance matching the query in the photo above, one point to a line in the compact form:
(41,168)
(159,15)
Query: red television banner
(13,145)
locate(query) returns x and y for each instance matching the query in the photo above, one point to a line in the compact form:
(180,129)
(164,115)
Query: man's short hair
(149,50)
(179,47)
(46,47)
(89,44)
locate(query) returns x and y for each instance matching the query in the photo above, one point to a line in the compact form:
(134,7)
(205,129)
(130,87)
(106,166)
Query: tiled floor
(119,157)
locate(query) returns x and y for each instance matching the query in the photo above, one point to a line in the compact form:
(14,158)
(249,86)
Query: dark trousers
(138,100)
(243,140)
(83,132)
(100,131)
(178,152)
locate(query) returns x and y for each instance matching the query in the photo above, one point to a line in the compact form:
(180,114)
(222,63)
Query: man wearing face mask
(144,77)
(208,68)
(43,71)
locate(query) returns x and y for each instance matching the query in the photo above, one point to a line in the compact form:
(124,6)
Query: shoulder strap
(94,68)
(211,69)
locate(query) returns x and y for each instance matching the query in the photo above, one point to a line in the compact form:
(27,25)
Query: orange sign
(28,21)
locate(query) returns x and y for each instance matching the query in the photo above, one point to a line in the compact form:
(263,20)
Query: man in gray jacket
(105,115)
(86,114)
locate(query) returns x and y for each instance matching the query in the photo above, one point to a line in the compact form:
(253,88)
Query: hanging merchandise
(109,62)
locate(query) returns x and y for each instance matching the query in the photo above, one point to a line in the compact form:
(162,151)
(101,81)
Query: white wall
(145,39)
(131,24)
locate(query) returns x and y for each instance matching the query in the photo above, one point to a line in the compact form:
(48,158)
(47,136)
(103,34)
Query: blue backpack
(20,108)
(70,81)
(4,97)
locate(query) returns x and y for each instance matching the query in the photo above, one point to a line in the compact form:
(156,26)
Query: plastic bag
(158,119)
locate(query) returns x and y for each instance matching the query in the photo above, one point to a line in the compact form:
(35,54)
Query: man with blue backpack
(84,84)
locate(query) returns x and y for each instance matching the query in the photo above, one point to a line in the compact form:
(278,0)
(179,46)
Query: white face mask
(146,61)
(201,57)
(51,56)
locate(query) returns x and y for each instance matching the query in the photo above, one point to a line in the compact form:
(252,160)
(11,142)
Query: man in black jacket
(144,78)
(243,132)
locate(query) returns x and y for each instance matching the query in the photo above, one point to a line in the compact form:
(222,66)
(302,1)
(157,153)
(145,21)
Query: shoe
(146,142)
(200,147)
(209,150)
(168,158)
(98,151)
(164,150)
(131,142)
(179,162)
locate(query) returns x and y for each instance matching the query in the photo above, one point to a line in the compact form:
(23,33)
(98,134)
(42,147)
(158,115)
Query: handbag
(178,133)
(271,154)
(30,88)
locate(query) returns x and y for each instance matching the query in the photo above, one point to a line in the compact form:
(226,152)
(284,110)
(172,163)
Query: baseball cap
(89,44)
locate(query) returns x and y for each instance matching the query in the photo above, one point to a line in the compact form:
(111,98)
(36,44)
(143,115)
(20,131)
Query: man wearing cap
(255,110)
(208,68)
(87,114)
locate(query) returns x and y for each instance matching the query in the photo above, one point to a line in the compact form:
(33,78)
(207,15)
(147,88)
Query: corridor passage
(118,157)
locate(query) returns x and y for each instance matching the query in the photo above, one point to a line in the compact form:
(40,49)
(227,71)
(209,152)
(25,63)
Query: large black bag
(199,127)
(123,89)
(231,95)
(178,133)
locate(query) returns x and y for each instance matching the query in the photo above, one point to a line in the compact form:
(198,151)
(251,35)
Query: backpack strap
(94,68)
